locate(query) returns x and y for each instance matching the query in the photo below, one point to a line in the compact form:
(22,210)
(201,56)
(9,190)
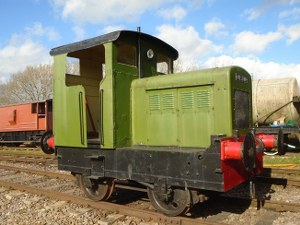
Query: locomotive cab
(95,76)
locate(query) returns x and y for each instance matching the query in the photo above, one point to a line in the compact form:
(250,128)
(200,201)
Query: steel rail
(272,170)
(127,210)
(107,206)
(144,214)
(38,172)
(28,158)
(284,181)
(276,205)
(20,155)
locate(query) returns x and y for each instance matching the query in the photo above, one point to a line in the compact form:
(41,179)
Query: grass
(281,160)
(22,151)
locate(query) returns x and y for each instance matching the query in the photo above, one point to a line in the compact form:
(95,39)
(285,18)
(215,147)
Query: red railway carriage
(28,122)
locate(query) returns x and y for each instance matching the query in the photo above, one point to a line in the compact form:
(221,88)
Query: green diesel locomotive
(123,115)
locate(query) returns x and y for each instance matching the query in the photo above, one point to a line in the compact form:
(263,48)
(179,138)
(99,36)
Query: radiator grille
(154,102)
(167,101)
(203,99)
(187,100)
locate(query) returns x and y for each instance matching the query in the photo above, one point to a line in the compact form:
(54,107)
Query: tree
(180,66)
(33,84)
(3,97)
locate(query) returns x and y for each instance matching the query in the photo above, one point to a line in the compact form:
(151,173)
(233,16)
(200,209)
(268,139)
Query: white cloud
(257,68)
(109,29)
(252,43)
(176,12)
(252,13)
(292,32)
(24,49)
(39,30)
(79,33)
(16,57)
(215,27)
(190,45)
(293,13)
(95,11)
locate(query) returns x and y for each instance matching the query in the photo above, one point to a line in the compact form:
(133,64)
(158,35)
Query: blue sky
(261,36)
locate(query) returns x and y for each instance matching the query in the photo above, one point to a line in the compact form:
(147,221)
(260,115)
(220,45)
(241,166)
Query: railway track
(68,180)
(21,148)
(280,176)
(69,183)
(13,179)
(281,171)
(279,181)
(29,158)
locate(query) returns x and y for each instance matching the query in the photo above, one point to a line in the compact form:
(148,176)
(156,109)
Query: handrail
(101,135)
(81,117)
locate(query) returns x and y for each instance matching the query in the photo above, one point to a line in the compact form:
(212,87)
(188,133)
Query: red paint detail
(259,163)
(234,172)
(50,142)
(269,140)
(233,168)
(259,152)
(231,150)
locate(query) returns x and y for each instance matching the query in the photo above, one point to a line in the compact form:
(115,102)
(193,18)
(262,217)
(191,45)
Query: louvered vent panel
(187,100)
(167,101)
(154,102)
(203,99)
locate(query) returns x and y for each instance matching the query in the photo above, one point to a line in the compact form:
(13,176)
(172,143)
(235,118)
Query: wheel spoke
(97,190)
(173,203)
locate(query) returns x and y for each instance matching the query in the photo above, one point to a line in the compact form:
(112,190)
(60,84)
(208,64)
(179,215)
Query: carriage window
(33,108)
(42,108)
(49,106)
(127,54)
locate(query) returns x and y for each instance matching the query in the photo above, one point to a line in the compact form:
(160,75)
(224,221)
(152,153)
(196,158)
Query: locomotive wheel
(172,203)
(249,152)
(44,143)
(97,190)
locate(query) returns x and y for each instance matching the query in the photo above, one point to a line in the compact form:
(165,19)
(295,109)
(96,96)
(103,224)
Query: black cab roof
(114,36)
